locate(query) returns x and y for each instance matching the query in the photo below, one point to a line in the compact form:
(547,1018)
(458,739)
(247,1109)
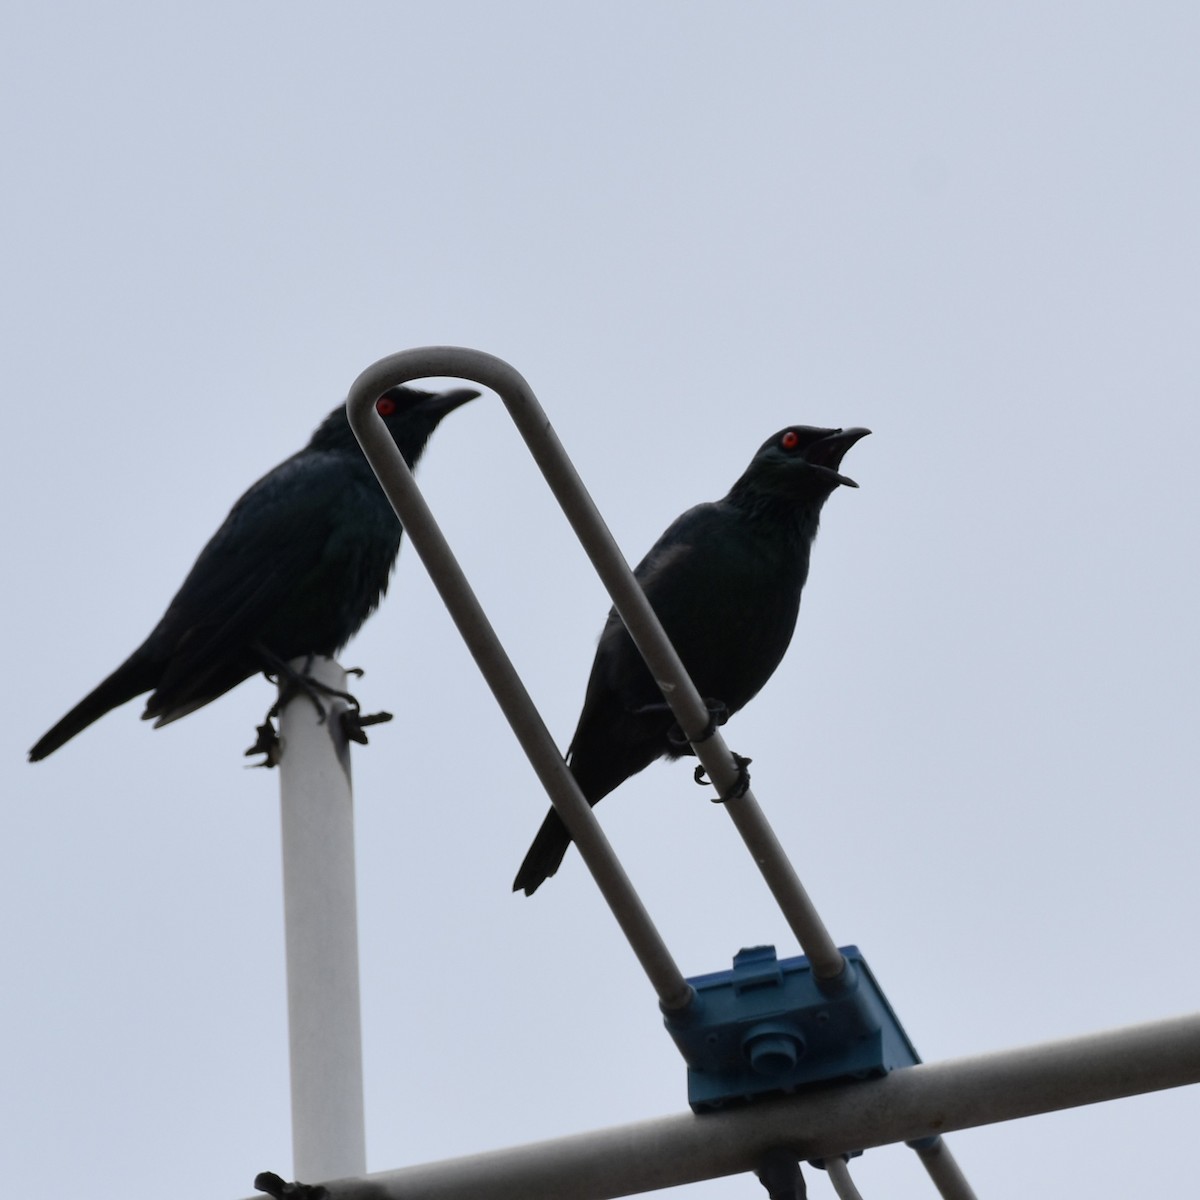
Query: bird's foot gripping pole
(843,995)
(718,714)
(293,683)
(739,787)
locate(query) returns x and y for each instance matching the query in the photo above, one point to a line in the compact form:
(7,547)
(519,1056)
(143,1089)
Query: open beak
(830,451)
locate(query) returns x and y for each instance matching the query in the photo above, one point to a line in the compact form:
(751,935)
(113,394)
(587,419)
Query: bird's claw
(301,683)
(740,786)
(292,684)
(281,1189)
(718,714)
(354,723)
(267,743)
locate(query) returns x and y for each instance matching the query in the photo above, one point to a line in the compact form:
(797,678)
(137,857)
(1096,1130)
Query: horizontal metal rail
(907,1105)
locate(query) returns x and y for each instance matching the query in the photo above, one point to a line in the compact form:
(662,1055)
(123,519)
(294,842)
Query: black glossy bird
(725,580)
(295,569)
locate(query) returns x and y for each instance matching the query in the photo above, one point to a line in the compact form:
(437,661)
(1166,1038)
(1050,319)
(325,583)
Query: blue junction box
(769,1027)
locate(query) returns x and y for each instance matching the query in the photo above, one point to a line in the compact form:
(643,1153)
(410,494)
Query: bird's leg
(718,714)
(267,742)
(741,785)
(281,1189)
(294,683)
(302,683)
(352,721)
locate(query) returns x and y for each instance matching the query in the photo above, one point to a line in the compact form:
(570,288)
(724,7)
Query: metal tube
(627,595)
(785,885)
(942,1168)
(839,1176)
(912,1103)
(428,541)
(321,934)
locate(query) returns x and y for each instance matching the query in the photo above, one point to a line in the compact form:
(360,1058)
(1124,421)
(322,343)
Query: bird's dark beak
(830,451)
(447,402)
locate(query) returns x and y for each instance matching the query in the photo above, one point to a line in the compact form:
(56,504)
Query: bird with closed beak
(298,565)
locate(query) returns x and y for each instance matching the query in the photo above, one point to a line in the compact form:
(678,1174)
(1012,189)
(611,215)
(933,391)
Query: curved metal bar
(628,597)
(426,537)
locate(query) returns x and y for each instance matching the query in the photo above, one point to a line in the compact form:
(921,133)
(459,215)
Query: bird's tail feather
(544,855)
(133,677)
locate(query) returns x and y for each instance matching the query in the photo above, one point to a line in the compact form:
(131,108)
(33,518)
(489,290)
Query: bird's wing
(688,552)
(669,574)
(624,719)
(277,549)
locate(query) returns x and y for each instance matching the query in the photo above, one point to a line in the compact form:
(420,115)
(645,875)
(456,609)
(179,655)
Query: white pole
(320,918)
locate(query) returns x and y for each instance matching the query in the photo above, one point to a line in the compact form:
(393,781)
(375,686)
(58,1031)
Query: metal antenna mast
(905,1102)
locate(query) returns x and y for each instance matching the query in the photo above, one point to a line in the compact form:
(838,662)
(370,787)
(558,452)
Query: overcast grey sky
(972,228)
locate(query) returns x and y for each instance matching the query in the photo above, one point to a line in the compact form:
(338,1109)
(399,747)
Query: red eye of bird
(790,440)
(385,406)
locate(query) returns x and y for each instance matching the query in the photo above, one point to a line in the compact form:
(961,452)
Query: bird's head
(800,463)
(411,415)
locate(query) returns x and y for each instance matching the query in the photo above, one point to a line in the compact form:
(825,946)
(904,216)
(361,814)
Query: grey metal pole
(946,1174)
(627,595)
(839,1176)
(321,933)
(912,1103)
(428,541)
